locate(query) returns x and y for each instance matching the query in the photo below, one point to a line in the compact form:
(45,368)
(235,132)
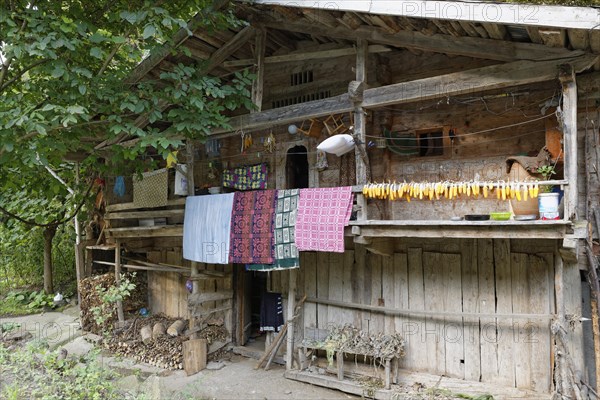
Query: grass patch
(11,307)
(35,372)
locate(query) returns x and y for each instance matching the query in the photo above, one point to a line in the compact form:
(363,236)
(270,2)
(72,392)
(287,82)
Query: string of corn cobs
(520,191)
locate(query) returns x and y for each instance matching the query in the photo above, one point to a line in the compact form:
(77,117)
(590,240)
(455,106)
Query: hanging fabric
(271,312)
(286,252)
(322,215)
(252,227)
(181,182)
(119,189)
(246,178)
(207,228)
(151,190)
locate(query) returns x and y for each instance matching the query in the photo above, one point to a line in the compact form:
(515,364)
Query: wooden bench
(314,339)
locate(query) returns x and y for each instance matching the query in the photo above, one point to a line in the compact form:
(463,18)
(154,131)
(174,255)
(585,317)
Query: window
(300,78)
(431,142)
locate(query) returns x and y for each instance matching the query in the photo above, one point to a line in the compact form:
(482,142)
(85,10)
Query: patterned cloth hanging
(151,190)
(252,227)
(207,227)
(322,215)
(246,178)
(286,252)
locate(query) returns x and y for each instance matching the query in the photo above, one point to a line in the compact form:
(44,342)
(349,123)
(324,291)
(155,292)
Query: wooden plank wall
(492,276)
(167,292)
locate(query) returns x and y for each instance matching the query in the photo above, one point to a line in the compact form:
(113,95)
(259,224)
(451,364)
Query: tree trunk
(49,233)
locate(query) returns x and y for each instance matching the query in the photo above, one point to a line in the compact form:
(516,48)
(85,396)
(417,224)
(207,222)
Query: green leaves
(149,31)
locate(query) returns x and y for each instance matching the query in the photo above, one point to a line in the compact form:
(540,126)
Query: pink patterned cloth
(322,215)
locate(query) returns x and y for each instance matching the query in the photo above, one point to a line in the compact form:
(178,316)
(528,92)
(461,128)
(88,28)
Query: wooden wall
(446,279)
(167,292)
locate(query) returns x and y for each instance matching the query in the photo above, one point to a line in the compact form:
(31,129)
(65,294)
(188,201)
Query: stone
(129,384)
(151,388)
(215,365)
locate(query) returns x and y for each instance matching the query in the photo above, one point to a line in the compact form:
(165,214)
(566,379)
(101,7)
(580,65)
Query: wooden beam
(146,231)
(259,61)
(201,298)
(471,81)
(466,46)
(180,36)
(120,314)
(360,127)
(291,304)
(458,83)
(472,11)
(579,38)
(303,56)
(554,37)
(145,214)
(240,39)
(131,206)
(534,35)
(569,128)
(496,31)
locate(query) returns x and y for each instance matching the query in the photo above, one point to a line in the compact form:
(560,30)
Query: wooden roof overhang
(527,49)
(521,53)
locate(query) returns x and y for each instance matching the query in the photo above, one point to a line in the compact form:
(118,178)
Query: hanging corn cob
(521,191)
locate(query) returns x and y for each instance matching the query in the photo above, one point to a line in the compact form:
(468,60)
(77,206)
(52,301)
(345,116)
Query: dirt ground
(233,377)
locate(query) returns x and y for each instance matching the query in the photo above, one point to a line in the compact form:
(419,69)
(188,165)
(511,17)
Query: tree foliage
(63,75)
(64,68)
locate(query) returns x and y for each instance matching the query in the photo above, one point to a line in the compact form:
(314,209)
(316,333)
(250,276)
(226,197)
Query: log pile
(90,298)
(149,340)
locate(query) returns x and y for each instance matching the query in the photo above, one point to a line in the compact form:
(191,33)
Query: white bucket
(548,205)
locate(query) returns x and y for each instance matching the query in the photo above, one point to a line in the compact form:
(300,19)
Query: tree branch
(55,222)
(12,80)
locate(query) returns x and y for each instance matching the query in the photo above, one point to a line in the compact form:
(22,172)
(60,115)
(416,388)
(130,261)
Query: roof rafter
(472,11)
(466,46)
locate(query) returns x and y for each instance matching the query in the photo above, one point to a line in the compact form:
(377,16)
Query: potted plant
(548,200)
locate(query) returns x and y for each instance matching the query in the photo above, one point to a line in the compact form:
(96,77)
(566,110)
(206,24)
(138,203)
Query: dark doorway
(296,168)
(250,286)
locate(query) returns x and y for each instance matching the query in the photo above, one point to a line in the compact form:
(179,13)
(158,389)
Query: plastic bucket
(548,205)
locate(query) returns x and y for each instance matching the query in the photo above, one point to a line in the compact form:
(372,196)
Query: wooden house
(468,85)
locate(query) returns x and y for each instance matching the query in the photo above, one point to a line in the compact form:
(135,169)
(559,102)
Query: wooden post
(360,125)
(120,314)
(189,148)
(569,127)
(257,86)
(79,267)
(289,356)
(195,352)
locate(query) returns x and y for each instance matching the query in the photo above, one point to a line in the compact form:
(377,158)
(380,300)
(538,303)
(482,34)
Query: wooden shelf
(146,231)
(556,229)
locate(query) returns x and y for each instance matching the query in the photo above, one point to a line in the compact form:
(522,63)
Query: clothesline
(265,229)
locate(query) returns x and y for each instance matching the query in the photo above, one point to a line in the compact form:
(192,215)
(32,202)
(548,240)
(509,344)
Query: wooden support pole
(257,86)
(360,126)
(289,356)
(569,128)
(189,150)
(120,314)
(559,288)
(595,293)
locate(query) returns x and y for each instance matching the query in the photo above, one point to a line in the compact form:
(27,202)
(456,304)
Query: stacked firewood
(158,340)
(91,297)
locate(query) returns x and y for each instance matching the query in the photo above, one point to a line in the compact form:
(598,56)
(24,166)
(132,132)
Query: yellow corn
(485,192)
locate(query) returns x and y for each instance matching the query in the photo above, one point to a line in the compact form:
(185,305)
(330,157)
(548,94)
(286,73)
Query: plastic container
(548,206)
(500,216)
